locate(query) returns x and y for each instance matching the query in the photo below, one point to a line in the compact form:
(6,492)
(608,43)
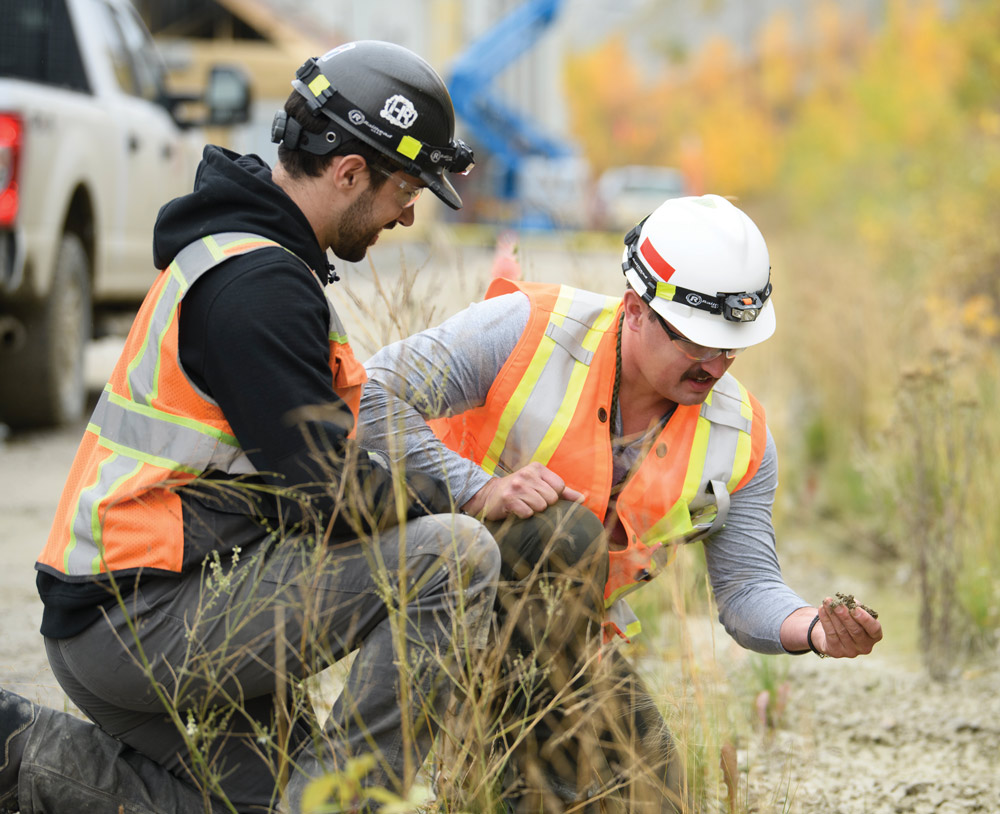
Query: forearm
(795,629)
(391,426)
(754,601)
(442,371)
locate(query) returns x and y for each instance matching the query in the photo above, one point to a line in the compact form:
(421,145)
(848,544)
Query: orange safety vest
(550,403)
(153,431)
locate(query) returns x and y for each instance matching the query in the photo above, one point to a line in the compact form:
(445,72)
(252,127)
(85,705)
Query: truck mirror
(227,95)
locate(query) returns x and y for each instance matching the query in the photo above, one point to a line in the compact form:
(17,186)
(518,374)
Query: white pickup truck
(91,145)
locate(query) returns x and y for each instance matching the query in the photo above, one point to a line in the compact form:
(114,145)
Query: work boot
(17,714)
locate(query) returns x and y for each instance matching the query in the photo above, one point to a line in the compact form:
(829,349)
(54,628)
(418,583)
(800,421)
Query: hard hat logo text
(399,110)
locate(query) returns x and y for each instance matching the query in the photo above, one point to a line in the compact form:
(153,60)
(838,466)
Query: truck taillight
(11,130)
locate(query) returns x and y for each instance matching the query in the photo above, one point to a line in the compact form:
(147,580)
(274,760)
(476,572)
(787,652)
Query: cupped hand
(845,634)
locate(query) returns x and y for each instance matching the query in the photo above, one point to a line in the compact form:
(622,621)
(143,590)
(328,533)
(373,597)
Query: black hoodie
(254,335)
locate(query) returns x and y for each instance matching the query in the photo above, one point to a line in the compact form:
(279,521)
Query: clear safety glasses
(692,350)
(406,193)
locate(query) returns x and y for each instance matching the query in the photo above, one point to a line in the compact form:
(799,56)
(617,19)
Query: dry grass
(848,387)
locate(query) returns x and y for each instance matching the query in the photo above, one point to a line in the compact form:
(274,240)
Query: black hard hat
(389,98)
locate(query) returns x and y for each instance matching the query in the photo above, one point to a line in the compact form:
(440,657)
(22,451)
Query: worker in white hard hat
(543,395)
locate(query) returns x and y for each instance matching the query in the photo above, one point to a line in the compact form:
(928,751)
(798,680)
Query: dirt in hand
(851,603)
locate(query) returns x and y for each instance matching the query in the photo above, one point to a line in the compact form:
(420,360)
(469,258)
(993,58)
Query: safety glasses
(406,193)
(693,351)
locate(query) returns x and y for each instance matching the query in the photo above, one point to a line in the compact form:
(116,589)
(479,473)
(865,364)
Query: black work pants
(578,725)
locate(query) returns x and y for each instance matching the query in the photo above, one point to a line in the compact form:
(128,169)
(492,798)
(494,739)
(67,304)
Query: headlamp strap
(741,307)
(312,85)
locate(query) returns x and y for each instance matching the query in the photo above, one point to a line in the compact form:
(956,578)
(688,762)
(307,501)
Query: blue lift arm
(508,135)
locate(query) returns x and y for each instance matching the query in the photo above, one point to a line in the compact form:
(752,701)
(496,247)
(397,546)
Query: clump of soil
(851,603)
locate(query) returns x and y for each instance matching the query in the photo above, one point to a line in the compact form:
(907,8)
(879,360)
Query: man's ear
(349,171)
(634,309)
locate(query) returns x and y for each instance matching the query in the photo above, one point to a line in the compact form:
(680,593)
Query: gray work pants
(227,647)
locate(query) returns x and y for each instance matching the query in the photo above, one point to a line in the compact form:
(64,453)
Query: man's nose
(716,367)
(406,217)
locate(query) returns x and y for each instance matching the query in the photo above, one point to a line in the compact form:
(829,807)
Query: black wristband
(809,638)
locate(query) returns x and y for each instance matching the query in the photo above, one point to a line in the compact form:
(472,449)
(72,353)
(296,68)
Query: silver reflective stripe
(142,370)
(196,258)
(539,408)
(621,615)
(569,343)
(583,309)
(727,422)
(725,406)
(338,333)
(563,374)
(172,438)
(83,555)
(722,501)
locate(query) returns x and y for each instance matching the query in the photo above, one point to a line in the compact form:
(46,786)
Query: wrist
(809,638)
(792,634)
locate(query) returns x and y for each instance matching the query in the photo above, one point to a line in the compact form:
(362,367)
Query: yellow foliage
(779,68)
(979,315)
(618,118)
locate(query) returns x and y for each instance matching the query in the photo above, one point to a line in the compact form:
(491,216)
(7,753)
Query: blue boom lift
(513,143)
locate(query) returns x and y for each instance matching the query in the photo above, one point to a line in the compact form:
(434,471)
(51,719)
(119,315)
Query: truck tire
(43,380)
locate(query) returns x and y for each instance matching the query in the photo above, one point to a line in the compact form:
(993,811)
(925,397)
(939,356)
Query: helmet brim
(442,187)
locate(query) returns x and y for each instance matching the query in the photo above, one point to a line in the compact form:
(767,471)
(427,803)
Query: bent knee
(578,541)
(476,546)
(468,546)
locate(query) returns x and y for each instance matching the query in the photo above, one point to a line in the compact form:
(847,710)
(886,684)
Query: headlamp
(462,160)
(742,307)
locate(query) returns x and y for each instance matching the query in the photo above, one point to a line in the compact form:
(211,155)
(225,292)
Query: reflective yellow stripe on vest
(578,320)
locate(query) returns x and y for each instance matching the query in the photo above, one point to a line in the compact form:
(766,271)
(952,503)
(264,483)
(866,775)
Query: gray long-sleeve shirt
(450,368)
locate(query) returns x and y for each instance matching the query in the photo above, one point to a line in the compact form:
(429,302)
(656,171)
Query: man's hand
(843,633)
(531,489)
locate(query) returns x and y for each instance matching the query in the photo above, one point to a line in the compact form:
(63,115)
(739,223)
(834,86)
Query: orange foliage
(835,93)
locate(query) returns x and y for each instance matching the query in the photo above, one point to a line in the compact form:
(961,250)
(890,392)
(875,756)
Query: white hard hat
(703,266)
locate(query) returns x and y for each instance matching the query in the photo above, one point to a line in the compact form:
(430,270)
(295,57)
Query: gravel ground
(875,736)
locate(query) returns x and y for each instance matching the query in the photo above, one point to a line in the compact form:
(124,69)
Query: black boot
(17,714)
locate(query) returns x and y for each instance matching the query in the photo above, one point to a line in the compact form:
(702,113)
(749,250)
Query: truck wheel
(43,379)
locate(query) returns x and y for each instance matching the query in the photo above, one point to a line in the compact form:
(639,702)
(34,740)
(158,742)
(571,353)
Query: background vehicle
(625,195)
(91,145)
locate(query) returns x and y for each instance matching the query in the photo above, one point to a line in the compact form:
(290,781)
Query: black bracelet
(809,638)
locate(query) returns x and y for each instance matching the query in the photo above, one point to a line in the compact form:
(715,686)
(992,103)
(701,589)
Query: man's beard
(356,231)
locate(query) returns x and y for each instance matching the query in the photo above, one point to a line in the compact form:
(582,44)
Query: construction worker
(544,393)
(220,537)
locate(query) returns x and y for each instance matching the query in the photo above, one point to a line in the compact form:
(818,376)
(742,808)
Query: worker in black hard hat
(380,96)
(220,537)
